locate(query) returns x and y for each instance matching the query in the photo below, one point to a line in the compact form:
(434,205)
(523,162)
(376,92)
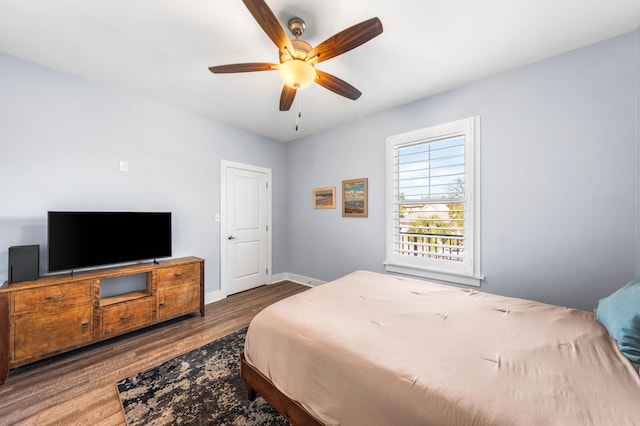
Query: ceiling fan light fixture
(297,73)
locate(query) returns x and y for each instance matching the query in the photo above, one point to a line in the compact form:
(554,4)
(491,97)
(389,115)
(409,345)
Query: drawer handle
(181,274)
(127,318)
(162,304)
(86,324)
(59,296)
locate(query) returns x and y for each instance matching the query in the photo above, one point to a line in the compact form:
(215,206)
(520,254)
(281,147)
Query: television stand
(59,313)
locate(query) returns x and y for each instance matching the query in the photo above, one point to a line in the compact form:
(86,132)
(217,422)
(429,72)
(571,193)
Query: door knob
(231,237)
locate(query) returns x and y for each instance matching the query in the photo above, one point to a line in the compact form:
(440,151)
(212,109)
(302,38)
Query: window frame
(466,272)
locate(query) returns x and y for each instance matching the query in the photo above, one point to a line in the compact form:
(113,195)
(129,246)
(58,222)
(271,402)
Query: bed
(378,349)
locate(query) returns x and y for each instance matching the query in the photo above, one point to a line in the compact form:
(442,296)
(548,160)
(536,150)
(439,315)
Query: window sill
(435,275)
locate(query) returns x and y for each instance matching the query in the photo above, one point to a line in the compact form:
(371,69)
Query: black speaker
(23,263)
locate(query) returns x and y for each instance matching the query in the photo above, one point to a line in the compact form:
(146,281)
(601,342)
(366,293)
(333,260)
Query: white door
(245,227)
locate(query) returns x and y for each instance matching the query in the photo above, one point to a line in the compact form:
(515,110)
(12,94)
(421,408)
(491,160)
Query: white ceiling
(161,49)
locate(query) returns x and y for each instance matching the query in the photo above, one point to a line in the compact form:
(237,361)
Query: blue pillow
(620,314)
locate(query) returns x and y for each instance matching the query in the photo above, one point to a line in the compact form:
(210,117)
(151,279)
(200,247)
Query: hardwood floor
(79,388)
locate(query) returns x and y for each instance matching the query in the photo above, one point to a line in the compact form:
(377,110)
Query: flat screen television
(88,239)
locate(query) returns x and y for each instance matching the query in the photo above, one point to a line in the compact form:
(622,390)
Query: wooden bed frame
(259,383)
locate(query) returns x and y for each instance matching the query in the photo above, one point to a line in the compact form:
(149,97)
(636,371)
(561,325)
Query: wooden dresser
(58,313)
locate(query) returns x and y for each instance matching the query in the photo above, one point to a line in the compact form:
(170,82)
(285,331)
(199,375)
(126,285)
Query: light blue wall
(61,139)
(558,178)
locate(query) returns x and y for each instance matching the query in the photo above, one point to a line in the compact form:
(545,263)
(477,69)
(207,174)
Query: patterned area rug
(201,387)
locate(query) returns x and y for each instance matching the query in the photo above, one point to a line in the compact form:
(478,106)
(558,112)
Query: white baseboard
(213,296)
(300,279)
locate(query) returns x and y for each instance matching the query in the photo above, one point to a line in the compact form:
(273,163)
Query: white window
(433,201)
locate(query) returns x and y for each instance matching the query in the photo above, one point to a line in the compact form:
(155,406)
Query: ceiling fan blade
(248,67)
(287,97)
(337,85)
(269,23)
(346,40)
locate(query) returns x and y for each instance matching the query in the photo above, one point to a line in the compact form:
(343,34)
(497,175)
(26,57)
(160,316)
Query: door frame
(224,166)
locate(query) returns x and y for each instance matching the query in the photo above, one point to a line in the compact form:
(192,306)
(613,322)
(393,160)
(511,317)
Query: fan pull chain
(299,115)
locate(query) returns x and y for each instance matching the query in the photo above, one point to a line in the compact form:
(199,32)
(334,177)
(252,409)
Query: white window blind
(431,205)
(429,188)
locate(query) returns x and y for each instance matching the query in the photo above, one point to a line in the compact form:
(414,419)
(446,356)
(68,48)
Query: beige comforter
(375,349)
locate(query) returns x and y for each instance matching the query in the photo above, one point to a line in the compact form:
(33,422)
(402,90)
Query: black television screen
(85,239)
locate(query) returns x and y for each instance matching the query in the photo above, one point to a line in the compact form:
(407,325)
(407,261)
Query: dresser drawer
(34,337)
(179,274)
(126,316)
(52,299)
(178,299)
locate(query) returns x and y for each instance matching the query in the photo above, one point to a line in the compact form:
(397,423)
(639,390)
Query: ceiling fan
(298,58)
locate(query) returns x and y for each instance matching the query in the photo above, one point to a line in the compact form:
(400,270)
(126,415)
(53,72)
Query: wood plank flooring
(79,388)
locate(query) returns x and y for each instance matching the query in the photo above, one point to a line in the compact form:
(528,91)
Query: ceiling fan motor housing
(300,50)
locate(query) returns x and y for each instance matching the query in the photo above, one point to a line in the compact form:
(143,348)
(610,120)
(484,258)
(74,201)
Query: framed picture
(354,198)
(324,198)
